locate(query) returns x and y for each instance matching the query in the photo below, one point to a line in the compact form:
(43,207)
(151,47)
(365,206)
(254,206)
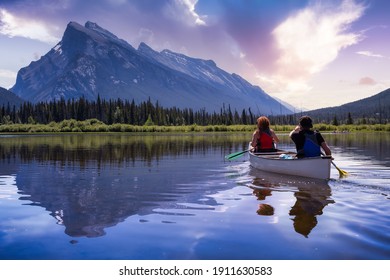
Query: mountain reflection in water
(174,196)
(92,182)
(89,182)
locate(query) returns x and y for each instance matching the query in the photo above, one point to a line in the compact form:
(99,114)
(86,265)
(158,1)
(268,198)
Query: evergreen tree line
(144,113)
(123,111)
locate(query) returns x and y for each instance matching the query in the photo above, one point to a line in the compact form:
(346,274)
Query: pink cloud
(367,81)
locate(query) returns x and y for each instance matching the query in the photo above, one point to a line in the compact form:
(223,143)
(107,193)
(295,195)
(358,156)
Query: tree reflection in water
(91,182)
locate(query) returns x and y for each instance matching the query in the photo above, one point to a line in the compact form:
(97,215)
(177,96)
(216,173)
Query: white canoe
(314,167)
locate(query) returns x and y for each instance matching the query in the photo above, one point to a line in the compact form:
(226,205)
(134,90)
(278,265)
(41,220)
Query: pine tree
(335,121)
(349,120)
(149,121)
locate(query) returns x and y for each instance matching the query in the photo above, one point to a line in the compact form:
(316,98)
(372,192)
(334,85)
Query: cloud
(145,35)
(7,74)
(159,23)
(13,26)
(367,81)
(310,39)
(184,11)
(370,54)
(7,78)
(190,4)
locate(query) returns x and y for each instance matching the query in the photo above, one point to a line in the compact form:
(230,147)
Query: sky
(308,53)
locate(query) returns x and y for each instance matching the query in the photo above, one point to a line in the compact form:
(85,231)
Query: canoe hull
(318,167)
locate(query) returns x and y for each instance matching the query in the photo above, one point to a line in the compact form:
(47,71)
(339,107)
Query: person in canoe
(264,138)
(308,142)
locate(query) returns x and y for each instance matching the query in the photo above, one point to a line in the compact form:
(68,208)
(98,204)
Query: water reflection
(119,148)
(375,145)
(311,200)
(91,182)
(312,196)
(113,148)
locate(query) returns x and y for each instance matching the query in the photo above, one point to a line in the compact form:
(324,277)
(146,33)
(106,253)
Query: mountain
(9,98)
(374,107)
(90,61)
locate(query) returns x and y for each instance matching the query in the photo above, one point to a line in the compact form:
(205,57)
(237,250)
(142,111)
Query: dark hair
(306,122)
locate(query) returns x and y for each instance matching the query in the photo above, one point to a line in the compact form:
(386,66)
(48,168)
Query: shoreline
(93,126)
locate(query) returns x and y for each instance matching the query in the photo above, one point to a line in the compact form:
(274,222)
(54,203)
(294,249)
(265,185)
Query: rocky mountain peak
(91,61)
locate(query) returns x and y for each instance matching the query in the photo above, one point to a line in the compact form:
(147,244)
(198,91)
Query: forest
(147,113)
(126,112)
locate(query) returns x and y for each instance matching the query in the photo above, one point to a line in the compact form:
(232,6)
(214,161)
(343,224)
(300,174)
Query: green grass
(94,125)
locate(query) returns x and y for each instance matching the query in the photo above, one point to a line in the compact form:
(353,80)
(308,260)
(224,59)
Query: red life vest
(265,141)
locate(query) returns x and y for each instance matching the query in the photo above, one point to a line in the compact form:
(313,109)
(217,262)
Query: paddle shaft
(342,172)
(236,155)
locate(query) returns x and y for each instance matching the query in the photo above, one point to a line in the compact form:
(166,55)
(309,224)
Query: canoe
(278,162)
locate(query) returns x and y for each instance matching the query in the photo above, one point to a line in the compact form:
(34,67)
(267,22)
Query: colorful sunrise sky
(309,53)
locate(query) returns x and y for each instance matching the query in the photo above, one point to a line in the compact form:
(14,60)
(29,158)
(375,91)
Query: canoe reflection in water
(311,197)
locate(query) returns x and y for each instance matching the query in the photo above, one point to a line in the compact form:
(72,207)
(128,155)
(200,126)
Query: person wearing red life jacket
(308,142)
(264,138)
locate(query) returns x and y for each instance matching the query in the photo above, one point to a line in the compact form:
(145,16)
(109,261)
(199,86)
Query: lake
(174,196)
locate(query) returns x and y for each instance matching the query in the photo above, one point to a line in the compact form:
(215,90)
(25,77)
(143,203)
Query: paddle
(341,172)
(236,155)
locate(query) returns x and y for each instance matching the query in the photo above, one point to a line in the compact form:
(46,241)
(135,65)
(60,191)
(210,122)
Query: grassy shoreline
(94,125)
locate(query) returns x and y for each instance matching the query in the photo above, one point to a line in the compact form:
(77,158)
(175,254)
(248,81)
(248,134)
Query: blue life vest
(311,148)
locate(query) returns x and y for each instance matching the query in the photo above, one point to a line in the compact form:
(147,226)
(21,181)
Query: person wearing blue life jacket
(308,142)
(264,138)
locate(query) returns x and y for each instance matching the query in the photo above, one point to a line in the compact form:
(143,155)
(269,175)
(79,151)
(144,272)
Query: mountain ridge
(91,61)
(8,98)
(375,106)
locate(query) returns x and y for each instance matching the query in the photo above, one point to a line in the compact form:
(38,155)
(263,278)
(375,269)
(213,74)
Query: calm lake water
(126,196)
